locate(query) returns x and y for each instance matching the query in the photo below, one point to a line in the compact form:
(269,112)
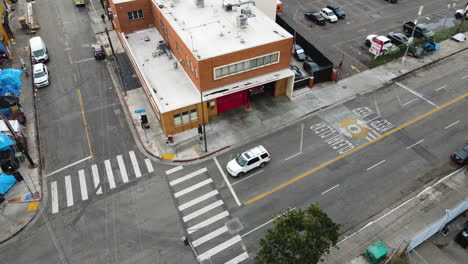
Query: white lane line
(202,210)
(68,166)
(197,200)
(414,100)
(188,176)
(53,191)
(210,236)
(239,258)
(330,189)
(136,167)
(440,88)
(96,178)
(110,174)
(149,166)
(178,168)
(207,222)
(370,168)
(302,138)
(369,139)
(247,177)
(454,123)
(213,251)
(123,170)
(84,189)
(264,224)
(293,156)
(69,191)
(227,181)
(415,144)
(464,77)
(416,93)
(83,60)
(192,188)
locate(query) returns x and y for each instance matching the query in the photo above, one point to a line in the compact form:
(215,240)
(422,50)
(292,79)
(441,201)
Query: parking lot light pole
(412,34)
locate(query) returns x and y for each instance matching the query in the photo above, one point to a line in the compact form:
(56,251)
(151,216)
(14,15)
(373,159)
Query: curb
(204,156)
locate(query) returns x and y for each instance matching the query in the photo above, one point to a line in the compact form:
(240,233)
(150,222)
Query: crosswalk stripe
(136,167)
(192,188)
(207,222)
(123,170)
(149,166)
(202,211)
(178,168)
(53,191)
(219,248)
(69,191)
(84,189)
(210,236)
(197,200)
(188,176)
(238,259)
(96,179)
(110,174)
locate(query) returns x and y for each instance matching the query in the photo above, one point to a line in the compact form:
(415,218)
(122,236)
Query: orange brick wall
(121,22)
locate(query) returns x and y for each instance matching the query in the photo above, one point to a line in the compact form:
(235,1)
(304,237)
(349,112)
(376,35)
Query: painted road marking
(110,174)
(227,182)
(330,189)
(454,123)
(210,236)
(53,191)
(69,191)
(239,258)
(440,88)
(123,170)
(293,156)
(187,177)
(207,222)
(416,93)
(85,122)
(149,166)
(269,221)
(213,251)
(83,60)
(178,168)
(415,144)
(198,200)
(336,142)
(464,77)
(414,100)
(84,189)
(136,167)
(68,166)
(247,177)
(202,211)
(370,168)
(192,188)
(96,180)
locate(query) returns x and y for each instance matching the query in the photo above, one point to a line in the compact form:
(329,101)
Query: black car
(315,17)
(310,66)
(337,10)
(460,156)
(98,51)
(299,53)
(397,38)
(297,73)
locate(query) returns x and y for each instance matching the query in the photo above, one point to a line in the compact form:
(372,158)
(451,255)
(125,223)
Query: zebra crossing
(68,190)
(209,227)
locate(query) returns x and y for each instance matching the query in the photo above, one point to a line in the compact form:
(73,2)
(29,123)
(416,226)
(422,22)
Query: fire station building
(198,58)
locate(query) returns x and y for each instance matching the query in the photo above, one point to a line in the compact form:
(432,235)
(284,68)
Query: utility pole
(203,120)
(18,142)
(412,34)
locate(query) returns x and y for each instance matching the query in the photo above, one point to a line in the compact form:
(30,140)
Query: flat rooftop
(212,31)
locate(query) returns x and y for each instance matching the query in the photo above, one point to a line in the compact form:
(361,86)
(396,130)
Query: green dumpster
(376,252)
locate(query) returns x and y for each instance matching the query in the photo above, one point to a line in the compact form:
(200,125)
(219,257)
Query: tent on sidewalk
(10,82)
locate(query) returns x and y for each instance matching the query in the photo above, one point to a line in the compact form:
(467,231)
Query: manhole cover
(234,226)
(344,87)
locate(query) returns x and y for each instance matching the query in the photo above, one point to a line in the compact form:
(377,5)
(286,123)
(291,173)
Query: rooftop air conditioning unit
(242,21)
(200,3)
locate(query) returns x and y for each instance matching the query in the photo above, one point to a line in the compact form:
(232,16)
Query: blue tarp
(6,182)
(10,82)
(5,142)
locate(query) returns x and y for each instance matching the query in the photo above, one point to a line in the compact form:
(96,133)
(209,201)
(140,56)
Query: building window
(246,65)
(196,73)
(191,66)
(177,46)
(185,117)
(186,60)
(134,15)
(177,120)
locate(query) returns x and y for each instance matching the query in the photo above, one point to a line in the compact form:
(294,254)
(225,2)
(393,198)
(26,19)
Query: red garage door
(232,100)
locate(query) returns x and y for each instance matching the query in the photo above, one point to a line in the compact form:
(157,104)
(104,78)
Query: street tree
(298,236)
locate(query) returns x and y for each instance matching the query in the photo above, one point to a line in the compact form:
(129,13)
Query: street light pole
(412,34)
(203,120)
(18,142)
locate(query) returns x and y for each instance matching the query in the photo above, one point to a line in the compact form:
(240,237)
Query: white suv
(251,159)
(40,75)
(328,15)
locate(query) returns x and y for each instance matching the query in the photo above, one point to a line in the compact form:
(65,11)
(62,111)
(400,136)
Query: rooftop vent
(200,3)
(246,11)
(242,21)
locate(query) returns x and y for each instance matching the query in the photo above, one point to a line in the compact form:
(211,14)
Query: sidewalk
(21,204)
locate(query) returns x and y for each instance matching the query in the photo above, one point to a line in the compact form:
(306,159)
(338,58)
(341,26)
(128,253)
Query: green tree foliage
(298,237)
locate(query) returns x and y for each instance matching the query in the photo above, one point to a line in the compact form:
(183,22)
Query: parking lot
(363,17)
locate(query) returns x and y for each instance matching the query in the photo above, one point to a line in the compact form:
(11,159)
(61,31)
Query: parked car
(459,13)
(462,238)
(328,15)
(337,10)
(315,17)
(299,53)
(249,160)
(310,66)
(98,51)
(420,30)
(297,73)
(460,156)
(397,38)
(40,75)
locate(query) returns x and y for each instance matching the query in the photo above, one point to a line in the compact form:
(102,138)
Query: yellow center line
(80,99)
(323,165)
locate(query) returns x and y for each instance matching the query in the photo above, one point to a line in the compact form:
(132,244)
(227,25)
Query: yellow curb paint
(323,165)
(168,156)
(33,206)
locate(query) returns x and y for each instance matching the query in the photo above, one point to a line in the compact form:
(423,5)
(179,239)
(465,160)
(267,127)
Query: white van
(38,50)
(251,159)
